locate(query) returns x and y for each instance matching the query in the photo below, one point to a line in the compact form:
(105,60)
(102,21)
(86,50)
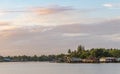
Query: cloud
(112,5)
(47,16)
(43,16)
(113,37)
(40,10)
(75,34)
(60,38)
(4,28)
(108,5)
(7,31)
(4,23)
(51,9)
(64,18)
(57,27)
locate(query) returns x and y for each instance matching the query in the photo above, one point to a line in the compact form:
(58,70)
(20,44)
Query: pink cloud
(51,9)
(4,23)
(40,10)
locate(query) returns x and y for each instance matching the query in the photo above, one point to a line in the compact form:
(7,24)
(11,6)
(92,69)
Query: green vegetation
(94,52)
(80,52)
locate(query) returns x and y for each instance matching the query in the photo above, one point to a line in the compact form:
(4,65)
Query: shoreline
(59,62)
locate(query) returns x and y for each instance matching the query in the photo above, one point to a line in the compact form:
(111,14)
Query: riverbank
(80,55)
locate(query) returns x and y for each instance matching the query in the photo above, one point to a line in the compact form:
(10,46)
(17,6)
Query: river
(58,68)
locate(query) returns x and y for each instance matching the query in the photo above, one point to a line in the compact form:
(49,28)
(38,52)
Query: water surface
(58,68)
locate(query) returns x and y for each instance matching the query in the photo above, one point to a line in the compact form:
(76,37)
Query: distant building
(87,61)
(118,59)
(107,59)
(90,60)
(74,60)
(7,59)
(1,59)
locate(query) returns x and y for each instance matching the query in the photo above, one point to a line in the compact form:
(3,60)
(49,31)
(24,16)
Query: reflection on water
(58,68)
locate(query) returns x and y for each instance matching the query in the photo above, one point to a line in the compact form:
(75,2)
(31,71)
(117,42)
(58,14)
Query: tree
(80,48)
(69,51)
(97,53)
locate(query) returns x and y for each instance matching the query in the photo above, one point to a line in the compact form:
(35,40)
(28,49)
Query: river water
(58,68)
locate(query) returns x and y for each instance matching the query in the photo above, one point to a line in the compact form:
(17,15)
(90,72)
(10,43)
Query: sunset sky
(53,26)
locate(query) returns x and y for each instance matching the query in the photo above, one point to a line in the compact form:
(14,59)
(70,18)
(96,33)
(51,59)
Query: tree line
(80,52)
(83,53)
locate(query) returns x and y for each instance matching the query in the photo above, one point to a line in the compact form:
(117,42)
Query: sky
(29,27)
